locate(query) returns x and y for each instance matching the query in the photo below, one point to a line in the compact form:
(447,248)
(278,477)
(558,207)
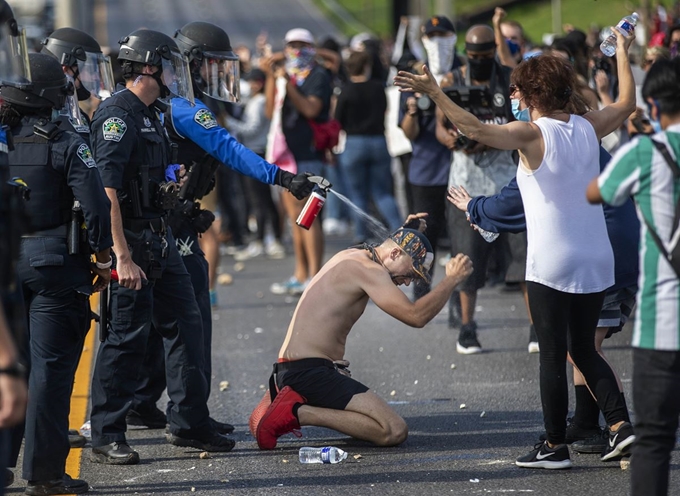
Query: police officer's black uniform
(132,152)
(56,282)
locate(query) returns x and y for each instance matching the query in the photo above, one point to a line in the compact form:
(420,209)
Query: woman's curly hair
(549,84)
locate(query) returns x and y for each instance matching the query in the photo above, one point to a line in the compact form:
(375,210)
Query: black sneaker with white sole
(593,445)
(619,443)
(468,344)
(543,456)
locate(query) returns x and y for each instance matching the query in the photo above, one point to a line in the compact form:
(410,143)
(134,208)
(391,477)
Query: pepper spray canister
(312,207)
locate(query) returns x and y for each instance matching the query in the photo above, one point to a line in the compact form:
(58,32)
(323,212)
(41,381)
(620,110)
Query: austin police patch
(498,100)
(85,154)
(114,129)
(147,122)
(205,118)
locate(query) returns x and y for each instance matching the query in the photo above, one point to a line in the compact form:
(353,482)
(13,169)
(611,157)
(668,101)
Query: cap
(418,247)
(438,23)
(299,34)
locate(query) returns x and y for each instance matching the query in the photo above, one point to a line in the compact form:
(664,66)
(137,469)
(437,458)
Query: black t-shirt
(361,108)
(296,129)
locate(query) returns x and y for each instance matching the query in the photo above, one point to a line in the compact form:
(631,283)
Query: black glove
(203,221)
(299,185)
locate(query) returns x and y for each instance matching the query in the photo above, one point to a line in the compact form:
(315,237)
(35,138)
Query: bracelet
(105,265)
(15,370)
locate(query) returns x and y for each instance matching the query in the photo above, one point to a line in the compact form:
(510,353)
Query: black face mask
(165,91)
(480,69)
(82,93)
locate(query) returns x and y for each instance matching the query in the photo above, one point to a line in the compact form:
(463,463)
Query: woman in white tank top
(569,258)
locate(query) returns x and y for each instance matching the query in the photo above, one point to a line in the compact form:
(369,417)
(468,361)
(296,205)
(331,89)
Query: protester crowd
(493,146)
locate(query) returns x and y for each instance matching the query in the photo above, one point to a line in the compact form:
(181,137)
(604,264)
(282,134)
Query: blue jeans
(656,394)
(366,165)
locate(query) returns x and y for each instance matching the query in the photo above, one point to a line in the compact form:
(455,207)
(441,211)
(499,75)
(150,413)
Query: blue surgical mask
(656,125)
(520,115)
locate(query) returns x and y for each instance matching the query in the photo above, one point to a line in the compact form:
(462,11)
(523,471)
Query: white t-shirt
(568,247)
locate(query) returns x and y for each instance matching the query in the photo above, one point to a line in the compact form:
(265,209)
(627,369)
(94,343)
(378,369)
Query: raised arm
(512,136)
(611,117)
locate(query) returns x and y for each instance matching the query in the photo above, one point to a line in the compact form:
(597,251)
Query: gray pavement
(451,449)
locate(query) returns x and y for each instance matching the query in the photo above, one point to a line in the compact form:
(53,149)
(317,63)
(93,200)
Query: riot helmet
(48,89)
(14,67)
(214,66)
(147,47)
(81,52)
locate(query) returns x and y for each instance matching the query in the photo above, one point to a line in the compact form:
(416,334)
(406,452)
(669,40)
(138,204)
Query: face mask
(520,115)
(480,69)
(514,47)
(299,62)
(656,125)
(440,51)
(82,93)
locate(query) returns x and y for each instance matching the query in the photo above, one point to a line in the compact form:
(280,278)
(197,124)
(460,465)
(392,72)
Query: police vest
(146,169)
(39,150)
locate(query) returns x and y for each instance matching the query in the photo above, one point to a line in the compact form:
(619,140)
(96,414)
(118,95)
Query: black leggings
(566,321)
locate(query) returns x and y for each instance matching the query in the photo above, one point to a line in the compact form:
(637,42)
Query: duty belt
(55,232)
(157,225)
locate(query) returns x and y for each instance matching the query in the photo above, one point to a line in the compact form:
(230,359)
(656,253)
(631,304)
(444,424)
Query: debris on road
(224,385)
(204,455)
(463,406)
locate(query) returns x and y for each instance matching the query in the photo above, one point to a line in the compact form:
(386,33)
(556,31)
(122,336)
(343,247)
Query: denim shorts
(617,307)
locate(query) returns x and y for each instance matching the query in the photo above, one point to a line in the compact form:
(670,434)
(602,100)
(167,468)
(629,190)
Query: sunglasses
(513,87)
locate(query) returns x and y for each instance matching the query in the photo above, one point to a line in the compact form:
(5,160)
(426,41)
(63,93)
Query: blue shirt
(504,212)
(198,124)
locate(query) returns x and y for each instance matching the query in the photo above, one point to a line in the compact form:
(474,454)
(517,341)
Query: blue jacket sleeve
(198,124)
(503,212)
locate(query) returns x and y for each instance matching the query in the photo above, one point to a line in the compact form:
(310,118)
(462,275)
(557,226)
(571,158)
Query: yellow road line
(81,392)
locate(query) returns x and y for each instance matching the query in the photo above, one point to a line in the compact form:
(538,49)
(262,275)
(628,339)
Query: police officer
(133,152)
(82,60)
(13,68)
(55,269)
(202,145)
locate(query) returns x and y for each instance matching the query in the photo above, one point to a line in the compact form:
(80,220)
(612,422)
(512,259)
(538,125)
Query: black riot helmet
(13,49)
(147,47)
(81,52)
(48,89)
(214,66)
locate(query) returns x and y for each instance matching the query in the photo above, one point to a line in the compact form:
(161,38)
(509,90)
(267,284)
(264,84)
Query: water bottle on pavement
(328,454)
(626,26)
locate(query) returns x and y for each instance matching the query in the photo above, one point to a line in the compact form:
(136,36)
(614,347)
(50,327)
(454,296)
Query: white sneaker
(275,250)
(254,249)
(291,286)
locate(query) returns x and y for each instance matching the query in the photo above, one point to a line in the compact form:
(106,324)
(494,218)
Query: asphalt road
(243,19)
(451,449)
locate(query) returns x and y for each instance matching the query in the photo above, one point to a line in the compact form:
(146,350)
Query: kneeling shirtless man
(314,387)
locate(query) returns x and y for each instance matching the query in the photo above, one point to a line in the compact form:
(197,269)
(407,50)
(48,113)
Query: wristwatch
(15,370)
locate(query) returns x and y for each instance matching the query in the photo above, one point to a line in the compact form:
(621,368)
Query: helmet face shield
(14,67)
(221,74)
(96,75)
(71,108)
(176,76)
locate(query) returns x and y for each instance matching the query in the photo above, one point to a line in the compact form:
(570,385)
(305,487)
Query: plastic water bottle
(328,454)
(488,236)
(625,27)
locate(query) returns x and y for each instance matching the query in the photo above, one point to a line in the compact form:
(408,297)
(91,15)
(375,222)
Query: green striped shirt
(638,169)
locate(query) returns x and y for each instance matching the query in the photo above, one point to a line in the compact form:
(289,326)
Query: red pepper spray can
(312,208)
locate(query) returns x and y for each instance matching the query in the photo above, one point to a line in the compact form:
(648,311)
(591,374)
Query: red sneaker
(258,412)
(278,419)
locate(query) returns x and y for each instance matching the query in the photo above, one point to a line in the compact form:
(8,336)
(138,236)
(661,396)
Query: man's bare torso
(329,308)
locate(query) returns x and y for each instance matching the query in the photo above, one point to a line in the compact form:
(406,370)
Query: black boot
(209,440)
(65,485)
(115,454)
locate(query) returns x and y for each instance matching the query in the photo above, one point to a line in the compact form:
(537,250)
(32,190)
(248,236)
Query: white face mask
(440,51)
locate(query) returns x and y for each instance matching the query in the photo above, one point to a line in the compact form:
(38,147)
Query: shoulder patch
(85,154)
(205,118)
(114,129)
